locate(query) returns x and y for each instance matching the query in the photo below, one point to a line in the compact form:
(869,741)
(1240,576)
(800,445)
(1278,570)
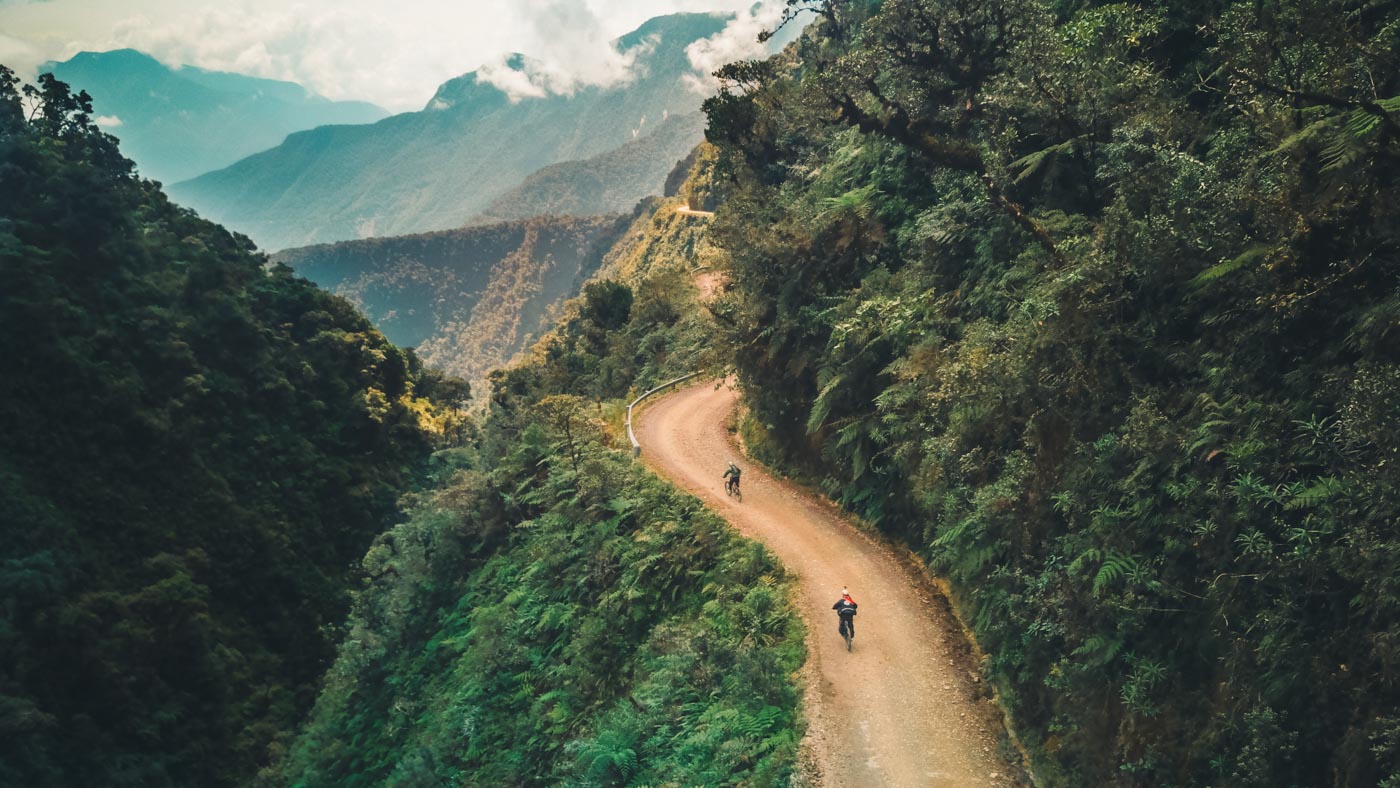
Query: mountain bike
(846,632)
(731,488)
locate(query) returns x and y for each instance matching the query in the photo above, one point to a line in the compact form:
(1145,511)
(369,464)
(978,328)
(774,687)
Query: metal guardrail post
(632,436)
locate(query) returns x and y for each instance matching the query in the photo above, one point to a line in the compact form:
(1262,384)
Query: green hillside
(553,614)
(1095,306)
(611,182)
(196,449)
(179,123)
(466,299)
(437,168)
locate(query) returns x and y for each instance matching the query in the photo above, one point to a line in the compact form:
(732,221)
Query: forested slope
(1096,307)
(467,299)
(553,614)
(196,448)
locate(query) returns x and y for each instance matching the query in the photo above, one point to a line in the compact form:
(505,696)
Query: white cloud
(393,54)
(516,83)
(737,41)
(107,121)
(20,55)
(576,50)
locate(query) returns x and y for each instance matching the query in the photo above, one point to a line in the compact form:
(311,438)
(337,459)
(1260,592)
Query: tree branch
(957,156)
(1323,99)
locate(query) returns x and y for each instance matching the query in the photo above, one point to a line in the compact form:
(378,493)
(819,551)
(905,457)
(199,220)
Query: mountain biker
(845,608)
(731,477)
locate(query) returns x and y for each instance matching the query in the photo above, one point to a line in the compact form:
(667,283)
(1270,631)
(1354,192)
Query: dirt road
(902,708)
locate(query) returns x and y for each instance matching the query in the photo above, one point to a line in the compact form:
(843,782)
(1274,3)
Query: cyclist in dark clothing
(731,478)
(845,608)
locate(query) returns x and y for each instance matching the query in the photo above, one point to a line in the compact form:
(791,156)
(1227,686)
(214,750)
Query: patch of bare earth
(709,283)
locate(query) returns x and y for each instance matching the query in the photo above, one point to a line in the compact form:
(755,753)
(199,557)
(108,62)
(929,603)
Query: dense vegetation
(179,123)
(467,299)
(197,448)
(638,324)
(563,618)
(553,614)
(437,168)
(1096,306)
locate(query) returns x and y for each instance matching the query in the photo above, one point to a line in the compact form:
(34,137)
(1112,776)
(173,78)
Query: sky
(394,54)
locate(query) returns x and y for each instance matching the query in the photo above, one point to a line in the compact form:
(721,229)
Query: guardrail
(632,436)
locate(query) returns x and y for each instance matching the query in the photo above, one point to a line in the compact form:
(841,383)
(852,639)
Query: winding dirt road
(901,709)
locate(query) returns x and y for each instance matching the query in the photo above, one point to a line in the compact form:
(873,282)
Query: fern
(1251,256)
(1099,649)
(1034,163)
(1321,490)
(821,408)
(1113,568)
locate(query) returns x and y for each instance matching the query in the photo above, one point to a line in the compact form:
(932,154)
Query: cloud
(737,41)
(21,56)
(107,121)
(392,54)
(334,51)
(579,53)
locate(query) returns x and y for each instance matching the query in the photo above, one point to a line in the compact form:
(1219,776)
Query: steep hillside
(467,299)
(179,123)
(437,168)
(554,615)
(611,182)
(196,449)
(1096,307)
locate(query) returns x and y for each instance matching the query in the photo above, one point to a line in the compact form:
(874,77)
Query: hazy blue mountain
(445,164)
(179,123)
(611,182)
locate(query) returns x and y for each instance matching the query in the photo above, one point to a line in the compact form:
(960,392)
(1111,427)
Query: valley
(1061,334)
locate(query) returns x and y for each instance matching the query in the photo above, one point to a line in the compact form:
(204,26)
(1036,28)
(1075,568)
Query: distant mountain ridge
(441,166)
(467,299)
(610,182)
(177,123)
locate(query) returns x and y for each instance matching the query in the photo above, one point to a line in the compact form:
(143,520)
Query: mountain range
(441,166)
(467,299)
(610,182)
(176,123)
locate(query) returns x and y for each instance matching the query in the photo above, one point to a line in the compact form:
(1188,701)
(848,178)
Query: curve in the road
(904,707)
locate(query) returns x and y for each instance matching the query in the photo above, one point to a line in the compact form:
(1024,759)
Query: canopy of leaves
(1096,306)
(197,447)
